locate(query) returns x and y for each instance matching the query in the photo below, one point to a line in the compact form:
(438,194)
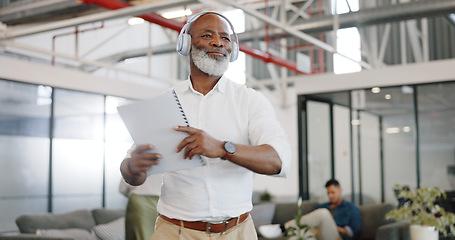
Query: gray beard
(212,66)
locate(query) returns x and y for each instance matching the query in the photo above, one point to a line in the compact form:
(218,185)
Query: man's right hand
(342,230)
(142,159)
(134,169)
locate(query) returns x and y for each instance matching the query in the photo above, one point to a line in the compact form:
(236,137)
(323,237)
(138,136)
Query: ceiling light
(451,17)
(375,90)
(355,122)
(406,129)
(177,14)
(388,96)
(135,21)
(392,130)
(407,89)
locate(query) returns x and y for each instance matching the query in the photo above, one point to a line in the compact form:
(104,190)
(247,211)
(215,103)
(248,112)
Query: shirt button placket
(202,113)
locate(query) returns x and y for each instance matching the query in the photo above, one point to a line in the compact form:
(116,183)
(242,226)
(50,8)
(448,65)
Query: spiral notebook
(152,121)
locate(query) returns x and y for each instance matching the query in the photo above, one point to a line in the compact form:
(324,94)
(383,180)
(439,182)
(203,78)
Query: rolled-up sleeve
(264,128)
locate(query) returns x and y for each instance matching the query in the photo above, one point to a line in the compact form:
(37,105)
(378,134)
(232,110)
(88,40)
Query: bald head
(209,18)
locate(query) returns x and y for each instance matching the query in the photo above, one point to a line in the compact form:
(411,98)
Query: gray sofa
(374,225)
(97,224)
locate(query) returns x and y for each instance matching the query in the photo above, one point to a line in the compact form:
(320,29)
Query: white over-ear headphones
(184,39)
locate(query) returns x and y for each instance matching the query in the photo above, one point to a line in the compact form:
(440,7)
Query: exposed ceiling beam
(275,23)
(325,23)
(24,30)
(25,10)
(289,30)
(319,24)
(177,26)
(378,15)
(120,56)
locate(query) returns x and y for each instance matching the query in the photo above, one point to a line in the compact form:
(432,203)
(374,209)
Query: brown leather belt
(209,227)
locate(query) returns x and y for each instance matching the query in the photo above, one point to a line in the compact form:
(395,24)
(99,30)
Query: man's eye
(206,36)
(227,39)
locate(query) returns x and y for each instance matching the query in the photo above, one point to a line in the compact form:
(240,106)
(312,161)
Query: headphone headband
(184,39)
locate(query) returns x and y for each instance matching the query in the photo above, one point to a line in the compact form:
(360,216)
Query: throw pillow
(74,233)
(103,215)
(114,230)
(262,214)
(81,219)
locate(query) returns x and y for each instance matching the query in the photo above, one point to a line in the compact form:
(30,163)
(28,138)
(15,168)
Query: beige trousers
(322,221)
(168,231)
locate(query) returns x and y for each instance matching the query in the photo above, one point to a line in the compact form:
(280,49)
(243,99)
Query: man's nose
(216,42)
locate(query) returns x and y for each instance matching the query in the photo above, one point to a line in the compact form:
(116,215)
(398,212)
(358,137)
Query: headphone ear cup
(178,47)
(234,52)
(184,44)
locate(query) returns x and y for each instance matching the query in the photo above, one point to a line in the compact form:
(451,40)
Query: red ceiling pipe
(177,26)
(151,17)
(268,58)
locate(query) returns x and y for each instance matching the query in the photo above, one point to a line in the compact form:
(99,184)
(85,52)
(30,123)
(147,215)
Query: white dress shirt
(220,189)
(151,186)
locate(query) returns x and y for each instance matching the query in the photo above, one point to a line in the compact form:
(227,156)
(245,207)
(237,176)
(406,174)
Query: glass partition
(86,137)
(342,149)
(395,106)
(437,134)
(370,178)
(118,141)
(319,148)
(379,137)
(78,150)
(24,150)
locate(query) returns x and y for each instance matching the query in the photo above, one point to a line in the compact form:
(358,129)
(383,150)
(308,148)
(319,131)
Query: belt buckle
(209,225)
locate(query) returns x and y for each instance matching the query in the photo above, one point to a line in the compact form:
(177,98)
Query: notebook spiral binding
(186,120)
(180,107)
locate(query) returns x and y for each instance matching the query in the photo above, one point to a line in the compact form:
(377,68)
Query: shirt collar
(187,85)
(222,84)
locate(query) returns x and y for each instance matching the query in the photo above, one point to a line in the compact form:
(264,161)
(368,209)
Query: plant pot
(418,232)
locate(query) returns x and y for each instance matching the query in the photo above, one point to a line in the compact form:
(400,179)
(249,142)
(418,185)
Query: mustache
(220,50)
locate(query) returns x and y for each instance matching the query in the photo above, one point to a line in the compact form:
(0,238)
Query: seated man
(337,219)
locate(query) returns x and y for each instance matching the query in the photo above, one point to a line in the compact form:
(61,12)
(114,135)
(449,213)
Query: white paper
(152,121)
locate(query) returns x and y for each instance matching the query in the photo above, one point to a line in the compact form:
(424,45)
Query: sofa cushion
(76,219)
(30,236)
(287,211)
(103,215)
(262,214)
(372,219)
(74,233)
(114,230)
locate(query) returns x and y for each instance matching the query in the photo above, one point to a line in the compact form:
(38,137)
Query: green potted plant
(421,210)
(265,196)
(299,231)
